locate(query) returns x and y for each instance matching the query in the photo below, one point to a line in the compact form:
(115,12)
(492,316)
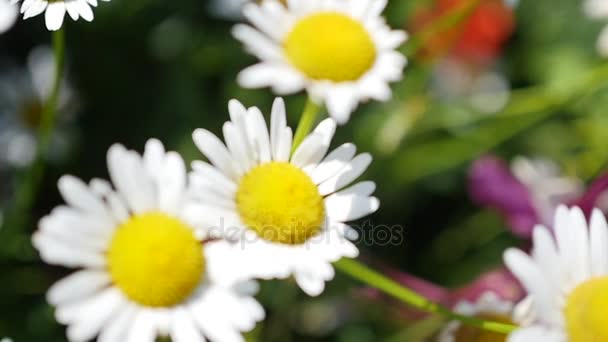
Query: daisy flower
(340,51)
(8,15)
(23,92)
(147,270)
(488,306)
(286,210)
(55,10)
(566,279)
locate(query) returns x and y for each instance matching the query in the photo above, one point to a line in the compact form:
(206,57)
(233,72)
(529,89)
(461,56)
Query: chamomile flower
(566,279)
(488,306)
(287,210)
(55,10)
(340,51)
(23,92)
(146,270)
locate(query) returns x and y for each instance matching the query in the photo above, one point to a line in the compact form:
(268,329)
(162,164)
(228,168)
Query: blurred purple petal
(592,196)
(499,281)
(492,185)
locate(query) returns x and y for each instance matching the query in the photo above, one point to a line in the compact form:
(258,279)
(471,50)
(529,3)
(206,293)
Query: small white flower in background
(548,186)
(598,9)
(9,12)
(340,51)
(287,211)
(23,92)
(566,278)
(147,268)
(488,306)
(55,10)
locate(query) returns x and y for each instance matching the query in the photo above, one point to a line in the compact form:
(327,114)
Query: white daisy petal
(580,243)
(34,9)
(335,161)
(258,133)
(598,240)
(72,9)
(85,10)
(215,151)
(350,207)
(348,174)
(118,326)
(278,124)
(143,328)
(77,286)
(237,145)
(265,74)
(545,253)
(93,315)
(341,102)
(77,194)
(262,46)
(58,252)
(55,12)
(183,328)
(310,150)
(313,286)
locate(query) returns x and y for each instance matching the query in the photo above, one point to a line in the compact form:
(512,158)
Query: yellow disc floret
(280,203)
(330,46)
(586,317)
(467,333)
(155,260)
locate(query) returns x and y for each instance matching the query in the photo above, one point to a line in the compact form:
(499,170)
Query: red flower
(479,39)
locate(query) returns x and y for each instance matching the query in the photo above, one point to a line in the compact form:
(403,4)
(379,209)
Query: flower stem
(30,181)
(370,277)
(311,110)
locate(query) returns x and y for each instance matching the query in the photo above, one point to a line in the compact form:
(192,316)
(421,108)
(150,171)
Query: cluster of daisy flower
(164,250)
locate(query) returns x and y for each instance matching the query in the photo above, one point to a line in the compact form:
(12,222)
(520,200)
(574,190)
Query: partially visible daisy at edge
(147,269)
(598,9)
(566,278)
(488,306)
(9,12)
(341,51)
(287,211)
(55,10)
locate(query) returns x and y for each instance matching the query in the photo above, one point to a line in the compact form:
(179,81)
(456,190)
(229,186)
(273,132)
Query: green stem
(370,277)
(311,110)
(29,183)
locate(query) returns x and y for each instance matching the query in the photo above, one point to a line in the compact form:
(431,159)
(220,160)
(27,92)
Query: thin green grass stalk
(19,215)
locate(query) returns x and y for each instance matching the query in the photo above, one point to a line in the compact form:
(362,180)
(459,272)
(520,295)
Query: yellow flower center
(467,333)
(586,317)
(330,46)
(155,260)
(280,203)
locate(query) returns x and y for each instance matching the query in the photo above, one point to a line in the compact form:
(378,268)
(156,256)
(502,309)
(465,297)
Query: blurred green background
(150,68)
